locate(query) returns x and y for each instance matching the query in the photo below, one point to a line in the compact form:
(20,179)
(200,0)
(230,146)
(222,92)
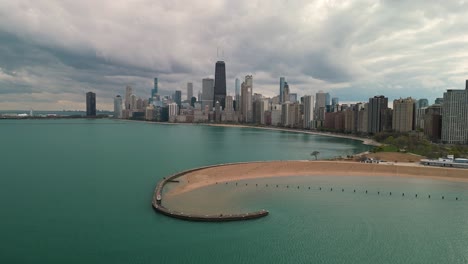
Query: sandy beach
(244,171)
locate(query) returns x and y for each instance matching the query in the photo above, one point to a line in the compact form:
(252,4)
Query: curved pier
(157,205)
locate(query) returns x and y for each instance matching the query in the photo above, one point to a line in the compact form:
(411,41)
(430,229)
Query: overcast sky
(52,52)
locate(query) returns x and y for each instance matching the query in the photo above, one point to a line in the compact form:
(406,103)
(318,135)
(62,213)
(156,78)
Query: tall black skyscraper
(220,84)
(90,104)
(178,98)
(154,91)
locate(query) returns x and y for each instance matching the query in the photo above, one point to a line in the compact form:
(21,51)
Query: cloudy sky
(52,52)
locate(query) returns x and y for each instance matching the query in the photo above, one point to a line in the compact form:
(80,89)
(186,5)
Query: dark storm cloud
(57,50)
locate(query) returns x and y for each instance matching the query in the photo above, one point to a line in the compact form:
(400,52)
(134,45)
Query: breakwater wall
(160,208)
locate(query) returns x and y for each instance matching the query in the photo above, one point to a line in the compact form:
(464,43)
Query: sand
(243,171)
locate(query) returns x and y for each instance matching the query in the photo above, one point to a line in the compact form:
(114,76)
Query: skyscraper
(117,106)
(377,105)
(207,93)
(189,91)
(455,117)
(238,95)
(246,100)
(320,105)
(178,98)
(282,82)
(90,104)
(308,111)
(335,101)
(220,84)
(403,113)
(128,94)
(154,91)
(286,92)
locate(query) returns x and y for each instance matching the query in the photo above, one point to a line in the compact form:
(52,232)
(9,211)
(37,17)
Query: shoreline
(224,173)
(365,141)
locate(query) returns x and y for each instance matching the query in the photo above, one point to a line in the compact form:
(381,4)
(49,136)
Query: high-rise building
(293,97)
(403,114)
(422,103)
(154,91)
(377,105)
(308,111)
(320,105)
(455,117)
(178,98)
(439,101)
(207,93)
(246,99)
(117,106)
(128,94)
(229,104)
(220,84)
(173,110)
(238,94)
(433,122)
(90,104)
(282,83)
(335,101)
(286,92)
(189,91)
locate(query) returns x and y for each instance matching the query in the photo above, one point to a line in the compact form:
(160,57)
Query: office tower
(439,101)
(178,98)
(377,105)
(220,84)
(320,105)
(189,91)
(422,103)
(173,110)
(117,106)
(199,97)
(246,99)
(455,117)
(293,97)
(128,94)
(207,93)
(433,122)
(90,104)
(403,113)
(335,101)
(229,104)
(286,92)
(154,91)
(282,82)
(309,104)
(238,95)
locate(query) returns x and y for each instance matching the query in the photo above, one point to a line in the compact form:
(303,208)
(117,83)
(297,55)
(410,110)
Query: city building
(403,115)
(154,91)
(207,93)
(286,92)
(293,97)
(128,94)
(189,91)
(377,105)
(90,104)
(238,95)
(455,117)
(173,111)
(117,106)
(246,99)
(220,84)
(178,98)
(281,91)
(433,122)
(320,105)
(309,104)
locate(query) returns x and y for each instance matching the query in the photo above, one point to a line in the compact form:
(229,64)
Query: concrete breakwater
(159,207)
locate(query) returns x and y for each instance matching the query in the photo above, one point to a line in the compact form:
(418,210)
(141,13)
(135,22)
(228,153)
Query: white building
(455,117)
(173,110)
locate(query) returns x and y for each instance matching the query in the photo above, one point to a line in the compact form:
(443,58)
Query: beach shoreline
(226,173)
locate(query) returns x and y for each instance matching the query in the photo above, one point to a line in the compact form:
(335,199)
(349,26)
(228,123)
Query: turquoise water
(79,191)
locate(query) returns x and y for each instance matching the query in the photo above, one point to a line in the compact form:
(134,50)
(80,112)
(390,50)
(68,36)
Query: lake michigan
(79,191)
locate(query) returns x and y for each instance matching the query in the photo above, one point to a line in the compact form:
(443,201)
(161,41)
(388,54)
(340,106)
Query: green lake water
(79,191)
